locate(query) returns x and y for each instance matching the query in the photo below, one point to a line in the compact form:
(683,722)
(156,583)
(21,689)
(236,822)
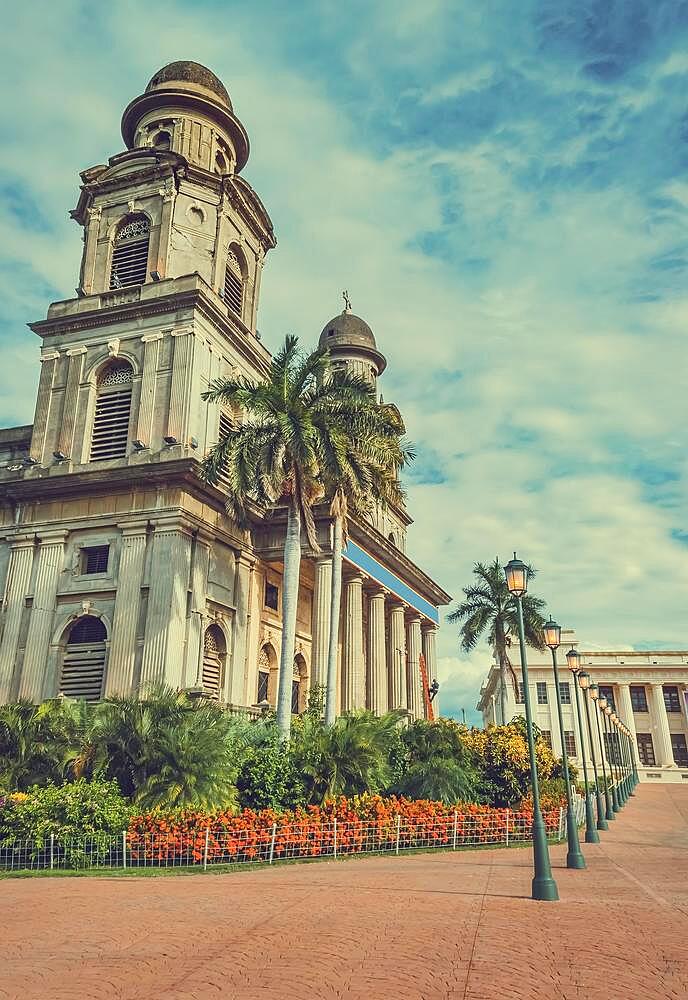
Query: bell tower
(174,245)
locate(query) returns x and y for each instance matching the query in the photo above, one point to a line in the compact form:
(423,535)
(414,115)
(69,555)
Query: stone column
(429,633)
(413,680)
(353,667)
(661,734)
(65,443)
(197,622)
(163,653)
(120,674)
(320,625)
(396,661)
(50,557)
(16,589)
(377,665)
(238,692)
(91,238)
(626,714)
(177,417)
(151,354)
(44,400)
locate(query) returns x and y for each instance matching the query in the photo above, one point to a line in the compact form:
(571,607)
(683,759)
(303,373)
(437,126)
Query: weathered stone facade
(119,567)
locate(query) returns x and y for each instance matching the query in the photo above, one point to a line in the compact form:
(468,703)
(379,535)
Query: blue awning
(359,557)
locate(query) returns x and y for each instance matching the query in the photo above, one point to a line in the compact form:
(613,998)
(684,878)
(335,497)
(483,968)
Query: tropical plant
(166,749)
(275,457)
(349,757)
(35,742)
(502,752)
(490,610)
(440,766)
(360,472)
(75,810)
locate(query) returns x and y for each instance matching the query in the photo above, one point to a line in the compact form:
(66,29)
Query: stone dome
(347,329)
(186,75)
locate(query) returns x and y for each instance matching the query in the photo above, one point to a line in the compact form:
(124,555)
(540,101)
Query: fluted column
(413,681)
(177,418)
(377,665)
(197,624)
(16,589)
(152,343)
(50,558)
(321,620)
(353,671)
(65,443)
(238,691)
(163,653)
(661,733)
(429,633)
(626,714)
(120,673)
(44,401)
(396,658)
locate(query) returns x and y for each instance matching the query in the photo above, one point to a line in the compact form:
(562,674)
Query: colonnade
(381,640)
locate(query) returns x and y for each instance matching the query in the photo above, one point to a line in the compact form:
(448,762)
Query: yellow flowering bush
(501,753)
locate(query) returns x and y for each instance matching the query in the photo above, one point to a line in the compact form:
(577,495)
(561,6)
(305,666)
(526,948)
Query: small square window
(271,596)
(94,559)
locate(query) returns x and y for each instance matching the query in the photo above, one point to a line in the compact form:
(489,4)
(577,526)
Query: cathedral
(119,567)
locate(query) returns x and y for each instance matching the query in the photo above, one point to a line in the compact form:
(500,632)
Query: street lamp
(574,856)
(618,758)
(606,722)
(584,681)
(543,886)
(595,695)
(591,834)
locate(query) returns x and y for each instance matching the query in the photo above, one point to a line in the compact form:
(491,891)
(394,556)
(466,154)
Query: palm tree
(490,609)
(35,742)
(360,473)
(293,421)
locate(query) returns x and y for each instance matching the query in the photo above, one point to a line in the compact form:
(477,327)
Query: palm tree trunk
(290,600)
(502,690)
(335,602)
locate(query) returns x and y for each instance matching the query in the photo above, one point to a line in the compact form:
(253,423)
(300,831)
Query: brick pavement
(430,926)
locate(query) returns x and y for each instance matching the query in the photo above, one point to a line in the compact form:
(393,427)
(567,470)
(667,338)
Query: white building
(648,689)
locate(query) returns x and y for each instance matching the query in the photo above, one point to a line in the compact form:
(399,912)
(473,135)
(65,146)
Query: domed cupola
(351,342)
(186,108)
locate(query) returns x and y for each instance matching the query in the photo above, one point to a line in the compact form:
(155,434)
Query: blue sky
(501,187)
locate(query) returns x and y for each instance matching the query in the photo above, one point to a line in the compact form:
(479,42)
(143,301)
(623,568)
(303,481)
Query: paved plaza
(429,926)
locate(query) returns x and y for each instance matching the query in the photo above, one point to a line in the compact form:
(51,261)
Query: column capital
(53,536)
(427,626)
(375,589)
(413,617)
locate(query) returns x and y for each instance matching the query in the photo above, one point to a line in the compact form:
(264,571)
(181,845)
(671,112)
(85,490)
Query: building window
(565,692)
(638,698)
(570,743)
(214,656)
(113,407)
(226,426)
(520,699)
(163,140)
(130,253)
(546,734)
(233,289)
(679,748)
(646,751)
(83,665)
(94,559)
(541,692)
(612,748)
(671,700)
(607,691)
(271,596)
(263,681)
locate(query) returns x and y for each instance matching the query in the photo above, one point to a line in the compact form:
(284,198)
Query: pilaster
(120,674)
(50,557)
(151,354)
(43,402)
(163,654)
(197,622)
(16,589)
(76,357)
(353,672)
(321,619)
(181,385)
(377,666)
(238,693)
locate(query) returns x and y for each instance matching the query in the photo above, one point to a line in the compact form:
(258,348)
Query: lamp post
(595,695)
(574,857)
(591,834)
(607,713)
(631,761)
(543,886)
(584,681)
(618,759)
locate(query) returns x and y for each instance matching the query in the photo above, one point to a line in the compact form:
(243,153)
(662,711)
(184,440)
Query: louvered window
(214,650)
(226,426)
(233,291)
(130,254)
(83,665)
(113,406)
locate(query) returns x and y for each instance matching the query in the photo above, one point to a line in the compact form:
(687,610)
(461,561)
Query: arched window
(163,140)
(83,664)
(267,666)
(214,656)
(298,685)
(233,289)
(392,539)
(130,253)
(113,407)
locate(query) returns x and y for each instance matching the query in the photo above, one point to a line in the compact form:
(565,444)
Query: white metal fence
(282,841)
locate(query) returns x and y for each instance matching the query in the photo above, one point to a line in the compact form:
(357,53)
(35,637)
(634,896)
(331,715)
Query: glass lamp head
(552,634)
(516,573)
(607,710)
(602,702)
(573,659)
(594,693)
(584,679)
